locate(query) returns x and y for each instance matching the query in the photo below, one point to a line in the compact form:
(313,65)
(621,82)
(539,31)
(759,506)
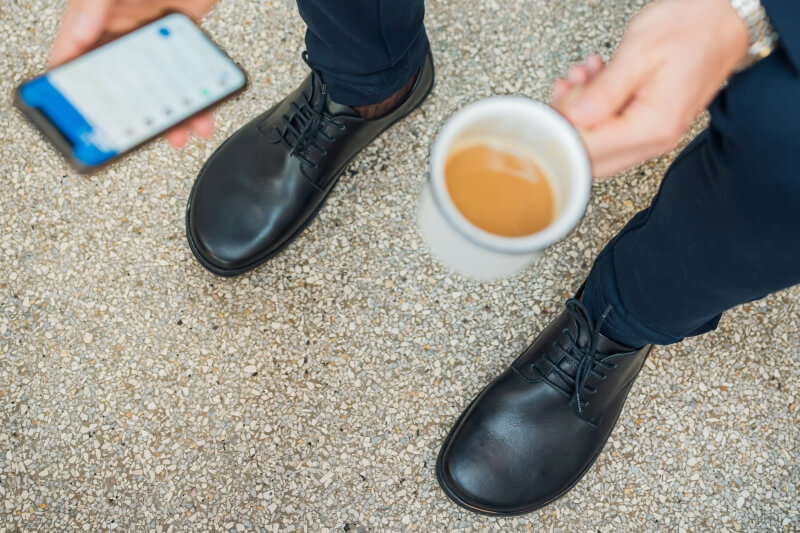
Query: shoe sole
(489,512)
(229,273)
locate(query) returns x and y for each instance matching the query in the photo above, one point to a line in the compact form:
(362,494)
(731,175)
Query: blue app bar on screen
(40,93)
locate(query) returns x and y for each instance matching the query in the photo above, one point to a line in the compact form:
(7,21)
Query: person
(718,233)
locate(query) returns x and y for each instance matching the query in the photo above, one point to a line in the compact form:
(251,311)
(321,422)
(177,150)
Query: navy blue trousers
(366,49)
(722,230)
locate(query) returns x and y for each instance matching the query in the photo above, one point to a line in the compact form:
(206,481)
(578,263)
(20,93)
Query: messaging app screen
(112,98)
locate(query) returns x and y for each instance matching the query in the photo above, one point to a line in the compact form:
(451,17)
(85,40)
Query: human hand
(673,59)
(86,22)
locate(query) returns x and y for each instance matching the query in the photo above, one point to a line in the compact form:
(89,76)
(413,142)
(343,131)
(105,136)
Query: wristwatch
(763,38)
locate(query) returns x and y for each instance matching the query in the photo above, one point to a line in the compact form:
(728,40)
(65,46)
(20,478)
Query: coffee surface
(499,189)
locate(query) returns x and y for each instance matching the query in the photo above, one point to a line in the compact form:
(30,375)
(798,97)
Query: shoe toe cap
(513,452)
(220,225)
(218,250)
(241,207)
(478,474)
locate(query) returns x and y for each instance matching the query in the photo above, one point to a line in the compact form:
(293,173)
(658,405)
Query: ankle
(390,104)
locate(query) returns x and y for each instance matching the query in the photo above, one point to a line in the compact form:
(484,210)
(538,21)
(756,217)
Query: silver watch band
(762,35)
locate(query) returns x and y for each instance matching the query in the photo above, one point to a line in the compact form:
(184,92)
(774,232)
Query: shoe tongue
(332,107)
(608,346)
(341,109)
(604,345)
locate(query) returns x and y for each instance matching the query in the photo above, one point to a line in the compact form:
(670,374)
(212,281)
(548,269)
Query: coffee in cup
(499,187)
(509,177)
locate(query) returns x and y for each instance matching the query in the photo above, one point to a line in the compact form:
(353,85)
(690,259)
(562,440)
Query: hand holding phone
(85,23)
(118,96)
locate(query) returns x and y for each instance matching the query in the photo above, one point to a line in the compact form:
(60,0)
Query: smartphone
(113,99)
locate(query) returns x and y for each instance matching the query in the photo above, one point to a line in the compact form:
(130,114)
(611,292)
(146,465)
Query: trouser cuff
(375,87)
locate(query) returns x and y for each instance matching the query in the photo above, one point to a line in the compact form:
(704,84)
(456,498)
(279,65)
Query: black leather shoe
(261,188)
(534,432)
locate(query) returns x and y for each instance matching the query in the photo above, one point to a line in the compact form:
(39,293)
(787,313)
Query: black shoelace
(307,122)
(584,358)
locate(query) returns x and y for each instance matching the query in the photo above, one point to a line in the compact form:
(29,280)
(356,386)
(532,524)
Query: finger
(177,137)
(609,91)
(195,8)
(81,26)
(594,64)
(625,140)
(123,22)
(560,88)
(142,10)
(203,125)
(573,91)
(565,90)
(577,75)
(618,135)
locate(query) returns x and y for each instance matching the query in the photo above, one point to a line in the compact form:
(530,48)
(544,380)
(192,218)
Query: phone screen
(120,94)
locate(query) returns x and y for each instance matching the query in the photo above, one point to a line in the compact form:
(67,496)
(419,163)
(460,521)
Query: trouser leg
(724,228)
(366,49)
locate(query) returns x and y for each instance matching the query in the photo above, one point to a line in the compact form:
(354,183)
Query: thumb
(81,27)
(607,93)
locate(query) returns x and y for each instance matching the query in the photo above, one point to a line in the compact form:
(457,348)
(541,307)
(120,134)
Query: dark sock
(387,106)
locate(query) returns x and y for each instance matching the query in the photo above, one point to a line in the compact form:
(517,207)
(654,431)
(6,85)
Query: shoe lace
(307,122)
(584,357)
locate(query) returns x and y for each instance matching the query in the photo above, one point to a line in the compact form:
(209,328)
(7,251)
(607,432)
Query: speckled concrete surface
(139,392)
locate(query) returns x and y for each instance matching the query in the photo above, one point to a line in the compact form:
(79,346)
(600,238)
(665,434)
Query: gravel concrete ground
(139,392)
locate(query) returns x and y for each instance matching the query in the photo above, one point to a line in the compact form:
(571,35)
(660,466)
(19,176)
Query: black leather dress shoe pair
(266,182)
(534,432)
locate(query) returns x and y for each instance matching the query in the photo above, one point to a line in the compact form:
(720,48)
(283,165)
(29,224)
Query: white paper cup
(518,122)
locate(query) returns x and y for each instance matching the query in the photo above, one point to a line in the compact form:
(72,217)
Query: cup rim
(564,133)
